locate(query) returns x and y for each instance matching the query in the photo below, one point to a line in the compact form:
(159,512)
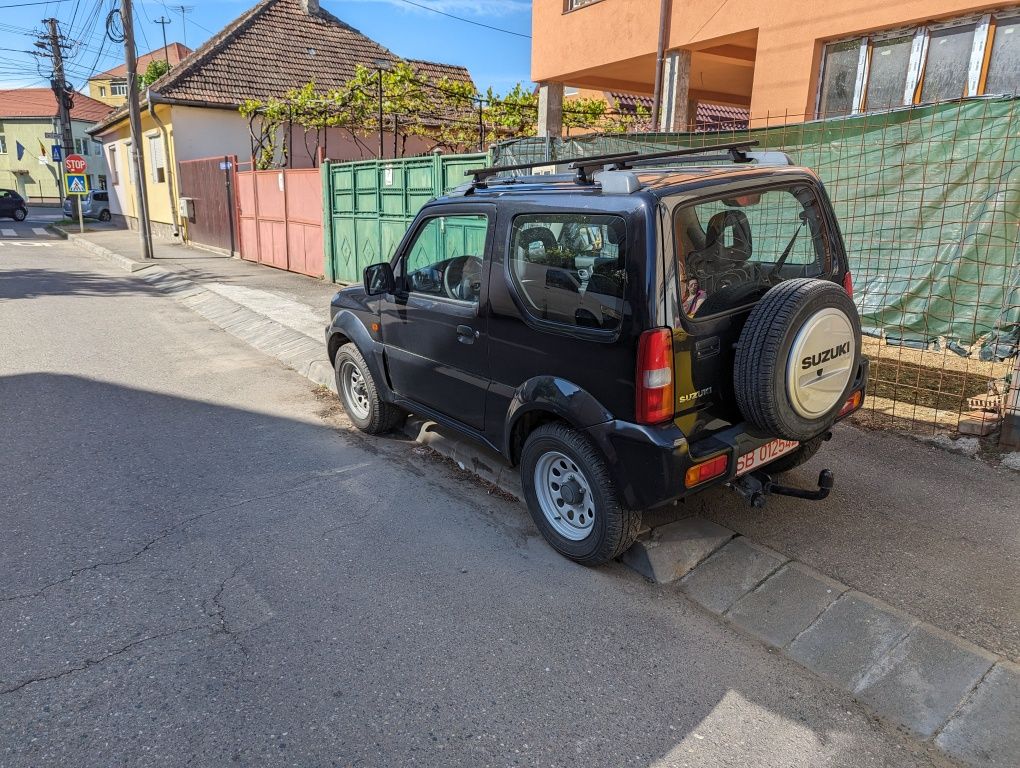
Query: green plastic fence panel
(370,204)
(928,199)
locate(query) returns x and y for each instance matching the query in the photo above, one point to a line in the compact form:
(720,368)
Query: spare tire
(797,358)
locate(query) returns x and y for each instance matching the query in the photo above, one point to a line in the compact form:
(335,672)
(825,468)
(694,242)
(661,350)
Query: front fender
(557,396)
(347,325)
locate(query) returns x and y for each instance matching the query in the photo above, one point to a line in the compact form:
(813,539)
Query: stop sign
(75,164)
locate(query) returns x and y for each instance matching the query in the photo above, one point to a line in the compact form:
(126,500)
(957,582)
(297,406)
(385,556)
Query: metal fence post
(327,221)
(1010,437)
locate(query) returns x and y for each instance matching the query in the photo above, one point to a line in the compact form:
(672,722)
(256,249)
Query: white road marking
(8,233)
(24,244)
(41,232)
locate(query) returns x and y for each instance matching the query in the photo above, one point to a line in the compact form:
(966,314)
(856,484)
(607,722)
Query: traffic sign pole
(81,219)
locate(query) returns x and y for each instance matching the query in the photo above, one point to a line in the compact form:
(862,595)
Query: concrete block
(986,729)
(850,637)
(978,423)
(672,551)
(730,574)
(785,604)
(922,681)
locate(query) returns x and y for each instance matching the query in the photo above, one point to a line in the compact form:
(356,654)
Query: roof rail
(482,174)
(735,150)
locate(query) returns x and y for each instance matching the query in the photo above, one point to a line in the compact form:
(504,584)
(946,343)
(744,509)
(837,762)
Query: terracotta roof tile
(40,102)
(175,53)
(272,48)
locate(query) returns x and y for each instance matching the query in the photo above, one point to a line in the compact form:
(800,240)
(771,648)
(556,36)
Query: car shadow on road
(33,283)
(200,578)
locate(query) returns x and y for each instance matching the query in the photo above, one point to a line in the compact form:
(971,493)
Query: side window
(445,258)
(732,250)
(570,268)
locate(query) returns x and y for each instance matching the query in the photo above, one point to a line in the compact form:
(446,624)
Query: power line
(22,5)
(467,21)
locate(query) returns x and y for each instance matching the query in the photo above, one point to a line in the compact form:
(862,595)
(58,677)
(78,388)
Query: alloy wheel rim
(564,495)
(355,390)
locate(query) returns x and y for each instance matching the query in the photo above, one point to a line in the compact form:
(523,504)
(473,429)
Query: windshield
(730,250)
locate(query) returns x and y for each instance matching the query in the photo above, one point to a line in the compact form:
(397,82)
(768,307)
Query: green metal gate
(369,206)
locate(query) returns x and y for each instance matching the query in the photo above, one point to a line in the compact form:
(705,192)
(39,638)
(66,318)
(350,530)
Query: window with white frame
(81,146)
(112,155)
(157,159)
(3,140)
(118,88)
(969,56)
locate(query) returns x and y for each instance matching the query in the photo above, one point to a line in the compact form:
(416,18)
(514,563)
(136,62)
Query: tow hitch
(756,486)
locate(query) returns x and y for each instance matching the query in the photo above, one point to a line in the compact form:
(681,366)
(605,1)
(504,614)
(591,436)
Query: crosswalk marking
(8,233)
(40,231)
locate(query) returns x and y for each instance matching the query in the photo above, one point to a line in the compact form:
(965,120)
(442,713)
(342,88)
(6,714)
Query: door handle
(467,334)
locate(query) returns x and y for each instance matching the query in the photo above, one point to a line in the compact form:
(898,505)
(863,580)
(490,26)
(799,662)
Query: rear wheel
(360,395)
(104,216)
(20,214)
(572,498)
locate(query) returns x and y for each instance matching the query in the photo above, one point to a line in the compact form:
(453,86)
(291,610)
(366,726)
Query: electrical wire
(467,21)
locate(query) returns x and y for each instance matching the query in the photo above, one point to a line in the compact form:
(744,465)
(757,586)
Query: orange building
(790,60)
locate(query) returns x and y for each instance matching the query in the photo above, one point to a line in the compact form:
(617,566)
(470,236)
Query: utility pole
(163,21)
(59,85)
(380,115)
(135,118)
(184,9)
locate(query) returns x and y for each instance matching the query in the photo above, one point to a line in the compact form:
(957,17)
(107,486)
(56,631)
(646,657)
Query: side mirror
(379,279)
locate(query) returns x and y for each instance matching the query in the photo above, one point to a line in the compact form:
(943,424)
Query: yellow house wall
(108,98)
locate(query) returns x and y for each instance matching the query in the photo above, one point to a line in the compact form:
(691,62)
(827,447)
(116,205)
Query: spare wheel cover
(821,362)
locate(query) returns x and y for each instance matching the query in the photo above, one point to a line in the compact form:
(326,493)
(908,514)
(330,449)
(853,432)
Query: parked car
(95,204)
(628,334)
(12,205)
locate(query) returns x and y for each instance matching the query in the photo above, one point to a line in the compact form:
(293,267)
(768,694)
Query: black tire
(105,216)
(802,455)
(20,214)
(375,415)
(760,371)
(613,528)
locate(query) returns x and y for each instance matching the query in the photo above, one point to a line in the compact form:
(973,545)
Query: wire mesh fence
(928,199)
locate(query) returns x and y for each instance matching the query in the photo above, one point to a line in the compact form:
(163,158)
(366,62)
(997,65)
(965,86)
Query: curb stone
(962,699)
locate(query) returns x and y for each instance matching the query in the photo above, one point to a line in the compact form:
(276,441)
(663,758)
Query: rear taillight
(654,380)
(848,284)
(706,470)
(852,404)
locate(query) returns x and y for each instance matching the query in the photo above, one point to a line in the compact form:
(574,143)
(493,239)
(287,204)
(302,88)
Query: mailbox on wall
(186,208)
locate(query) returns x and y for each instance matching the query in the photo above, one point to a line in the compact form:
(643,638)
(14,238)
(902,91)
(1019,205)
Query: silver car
(94,205)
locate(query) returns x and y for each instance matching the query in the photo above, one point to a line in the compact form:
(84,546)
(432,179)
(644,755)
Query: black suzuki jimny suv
(628,333)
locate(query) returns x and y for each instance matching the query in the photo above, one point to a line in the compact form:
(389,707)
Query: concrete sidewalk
(902,655)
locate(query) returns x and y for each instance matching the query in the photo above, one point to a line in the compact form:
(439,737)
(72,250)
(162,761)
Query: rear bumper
(649,464)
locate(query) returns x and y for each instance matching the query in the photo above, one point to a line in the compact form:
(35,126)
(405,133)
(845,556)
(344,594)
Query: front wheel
(360,395)
(572,498)
(20,214)
(104,216)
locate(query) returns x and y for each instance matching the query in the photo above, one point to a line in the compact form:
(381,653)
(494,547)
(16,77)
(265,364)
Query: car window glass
(731,250)
(445,257)
(570,268)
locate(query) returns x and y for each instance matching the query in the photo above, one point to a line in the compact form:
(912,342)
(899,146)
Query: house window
(920,65)
(102,90)
(112,152)
(838,78)
(945,69)
(102,182)
(1004,64)
(81,146)
(3,144)
(572,5)
(887,72)
(157,160)
(118,88)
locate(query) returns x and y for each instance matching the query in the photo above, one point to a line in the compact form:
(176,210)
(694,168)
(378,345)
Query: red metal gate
(281,218)
(207,188)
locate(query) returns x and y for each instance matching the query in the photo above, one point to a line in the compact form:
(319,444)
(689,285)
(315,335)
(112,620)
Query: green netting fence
(929,202)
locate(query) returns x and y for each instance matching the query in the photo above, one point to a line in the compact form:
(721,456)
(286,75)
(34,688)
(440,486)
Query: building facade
(28,131)
(786,62)
(110,87)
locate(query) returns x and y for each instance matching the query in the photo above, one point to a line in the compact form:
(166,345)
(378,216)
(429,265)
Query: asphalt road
(200,565)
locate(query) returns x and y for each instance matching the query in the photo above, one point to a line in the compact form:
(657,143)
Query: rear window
(732,249)
(570,268)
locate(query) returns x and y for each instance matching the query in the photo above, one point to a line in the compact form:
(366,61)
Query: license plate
(762,455)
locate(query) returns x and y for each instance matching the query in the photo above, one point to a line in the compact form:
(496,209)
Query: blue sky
(494,58)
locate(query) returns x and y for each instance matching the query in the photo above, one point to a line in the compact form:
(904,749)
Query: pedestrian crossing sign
(76,183)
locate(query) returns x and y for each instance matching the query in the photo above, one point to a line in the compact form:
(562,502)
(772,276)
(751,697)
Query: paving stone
(923,679)
(672,551)
(730,574)
(785,604)
(986,730)
(850,637)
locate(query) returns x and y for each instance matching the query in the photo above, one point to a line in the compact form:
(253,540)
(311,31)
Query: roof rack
(482,174)
(736,151)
